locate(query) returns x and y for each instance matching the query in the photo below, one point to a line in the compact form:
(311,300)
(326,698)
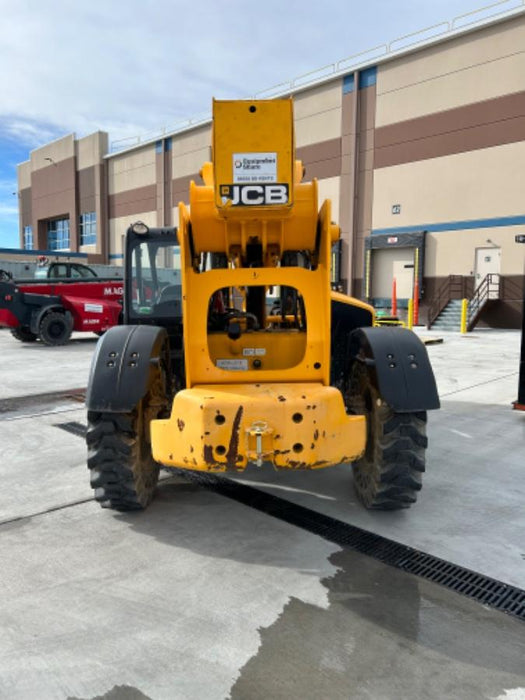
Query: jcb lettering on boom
(255,195)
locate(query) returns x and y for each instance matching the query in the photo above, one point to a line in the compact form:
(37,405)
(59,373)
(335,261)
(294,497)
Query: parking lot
(209,596)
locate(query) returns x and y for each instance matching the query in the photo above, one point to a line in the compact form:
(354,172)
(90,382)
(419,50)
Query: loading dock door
(388,263)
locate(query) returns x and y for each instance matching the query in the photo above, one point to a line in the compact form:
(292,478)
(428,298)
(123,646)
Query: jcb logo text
(254,195)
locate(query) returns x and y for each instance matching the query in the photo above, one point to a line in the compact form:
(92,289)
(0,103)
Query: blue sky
(136,68)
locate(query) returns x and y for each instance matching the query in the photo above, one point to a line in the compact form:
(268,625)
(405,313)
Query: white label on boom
(254,167)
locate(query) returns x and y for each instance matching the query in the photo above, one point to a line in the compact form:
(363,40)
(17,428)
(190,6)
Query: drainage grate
(37,404)
(77,395)
(485,590)
(73,427)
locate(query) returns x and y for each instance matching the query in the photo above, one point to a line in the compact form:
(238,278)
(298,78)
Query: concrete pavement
(202,597)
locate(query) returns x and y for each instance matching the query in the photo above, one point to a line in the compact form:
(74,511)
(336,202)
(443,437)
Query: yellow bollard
(410,317)
(464,307)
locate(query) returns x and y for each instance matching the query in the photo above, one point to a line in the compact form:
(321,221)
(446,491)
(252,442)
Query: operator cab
(153,280)
(63,270)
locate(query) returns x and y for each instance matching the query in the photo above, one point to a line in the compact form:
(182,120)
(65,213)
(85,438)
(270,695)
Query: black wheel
(123,472)
(55,329)
(23,334)
(388,475)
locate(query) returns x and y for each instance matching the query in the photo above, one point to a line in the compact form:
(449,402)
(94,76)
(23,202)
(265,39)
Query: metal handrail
(453,287)
(272,90)
(353,57)
(296,82)
(418,33)
(483,9)
(144,138)
(337,68)
(487,290)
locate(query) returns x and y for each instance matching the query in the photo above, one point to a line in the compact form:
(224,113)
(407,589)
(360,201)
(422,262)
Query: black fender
(122,367)
(399,361)
(39,313)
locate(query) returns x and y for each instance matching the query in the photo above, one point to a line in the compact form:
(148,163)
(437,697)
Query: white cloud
(99,66)
(71,67)
(7,185)
(7,210)
(31,133)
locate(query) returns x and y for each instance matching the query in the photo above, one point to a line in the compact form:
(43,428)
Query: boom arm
(254,209)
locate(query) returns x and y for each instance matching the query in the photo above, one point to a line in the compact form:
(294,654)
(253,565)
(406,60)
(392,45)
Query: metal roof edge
(390,55)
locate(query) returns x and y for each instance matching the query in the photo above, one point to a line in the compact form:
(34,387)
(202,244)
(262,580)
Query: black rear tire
(124,474)
(24,335)
(388,475)
(55,329)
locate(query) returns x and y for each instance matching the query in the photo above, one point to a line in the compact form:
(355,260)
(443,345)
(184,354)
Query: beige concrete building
(421,150)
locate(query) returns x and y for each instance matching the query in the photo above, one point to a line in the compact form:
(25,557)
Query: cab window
(81,271)
(58,270)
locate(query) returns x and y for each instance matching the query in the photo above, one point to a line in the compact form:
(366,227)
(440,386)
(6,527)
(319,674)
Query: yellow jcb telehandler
(236,351)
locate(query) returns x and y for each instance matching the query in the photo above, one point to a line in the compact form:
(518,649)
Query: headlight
(139,228)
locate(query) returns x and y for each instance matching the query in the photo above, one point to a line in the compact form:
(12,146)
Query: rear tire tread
(122,473)
(388,475)
(49,329)
(24,335)
(399,462)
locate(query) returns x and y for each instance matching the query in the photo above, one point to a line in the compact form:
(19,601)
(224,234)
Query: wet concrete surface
(202,597)
(385,634)
(169,602)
